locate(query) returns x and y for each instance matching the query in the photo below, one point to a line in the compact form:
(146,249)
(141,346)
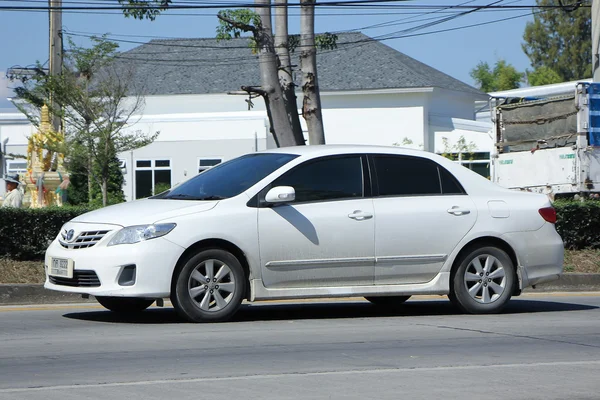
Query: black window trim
(375,180)
(258,201)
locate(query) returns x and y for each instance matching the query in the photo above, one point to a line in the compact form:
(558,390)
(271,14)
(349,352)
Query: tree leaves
(561,41)
(502,77)
(144,9)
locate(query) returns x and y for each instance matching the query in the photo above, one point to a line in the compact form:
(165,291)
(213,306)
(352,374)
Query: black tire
(124,305)
(198,302)
(468,292)
(387,301)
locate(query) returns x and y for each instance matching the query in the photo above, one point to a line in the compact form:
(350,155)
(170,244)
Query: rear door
(422,213)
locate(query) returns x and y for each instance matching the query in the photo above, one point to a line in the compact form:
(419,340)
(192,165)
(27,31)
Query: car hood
(145,211)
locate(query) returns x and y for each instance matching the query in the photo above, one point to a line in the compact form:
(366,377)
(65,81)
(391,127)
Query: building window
(16,167)
(207,163)
(152,177)
(477,162)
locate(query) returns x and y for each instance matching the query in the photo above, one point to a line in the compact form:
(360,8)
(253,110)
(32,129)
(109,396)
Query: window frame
(199,159)
(19,171)
(259,199)
(375,177)
(151,168)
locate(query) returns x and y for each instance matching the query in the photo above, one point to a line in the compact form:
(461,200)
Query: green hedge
(26,233)
(579,223)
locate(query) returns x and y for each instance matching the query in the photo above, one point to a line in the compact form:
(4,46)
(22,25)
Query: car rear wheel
(483,282)
(387,301)
(124,305)
(209,287)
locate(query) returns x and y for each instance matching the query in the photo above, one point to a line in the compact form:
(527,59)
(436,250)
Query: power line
(365,4)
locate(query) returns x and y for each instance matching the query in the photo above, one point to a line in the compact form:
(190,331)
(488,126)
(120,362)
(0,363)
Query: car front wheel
(124,305)
(483,282)
(209,287)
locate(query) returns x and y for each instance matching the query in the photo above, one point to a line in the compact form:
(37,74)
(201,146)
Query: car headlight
(138,233)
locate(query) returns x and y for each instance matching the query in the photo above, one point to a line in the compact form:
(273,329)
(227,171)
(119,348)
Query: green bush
(26,233)
(579,223)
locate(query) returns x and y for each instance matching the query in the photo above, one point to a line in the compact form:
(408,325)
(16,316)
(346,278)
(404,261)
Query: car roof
(329,149)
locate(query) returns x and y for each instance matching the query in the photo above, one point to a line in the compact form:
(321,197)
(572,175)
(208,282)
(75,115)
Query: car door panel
(317,244)
(415,235)
(422,213)
(326,236)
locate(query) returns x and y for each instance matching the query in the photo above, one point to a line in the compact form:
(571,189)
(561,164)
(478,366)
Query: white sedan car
(312,222)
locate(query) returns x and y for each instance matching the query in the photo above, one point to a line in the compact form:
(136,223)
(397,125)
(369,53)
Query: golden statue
(46,179)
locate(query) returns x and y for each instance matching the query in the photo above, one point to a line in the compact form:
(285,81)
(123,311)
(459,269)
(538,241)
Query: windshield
(228,179)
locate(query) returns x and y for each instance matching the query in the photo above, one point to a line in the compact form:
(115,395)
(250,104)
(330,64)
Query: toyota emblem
(70,235)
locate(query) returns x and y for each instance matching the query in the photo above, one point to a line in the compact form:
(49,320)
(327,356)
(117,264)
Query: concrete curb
(35,294)
(571,282)
(19,294)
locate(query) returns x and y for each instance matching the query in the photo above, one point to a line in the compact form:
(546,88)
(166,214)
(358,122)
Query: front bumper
(540,254)
(154,262)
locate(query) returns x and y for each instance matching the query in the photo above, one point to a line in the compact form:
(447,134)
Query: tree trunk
(90,164)
(105,173)
(311,105)
(272,93)
(104,192)
(286,79)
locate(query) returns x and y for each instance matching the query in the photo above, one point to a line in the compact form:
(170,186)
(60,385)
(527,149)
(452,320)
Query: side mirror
(281,194)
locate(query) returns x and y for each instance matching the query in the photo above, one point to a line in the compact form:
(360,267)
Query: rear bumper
(540,254)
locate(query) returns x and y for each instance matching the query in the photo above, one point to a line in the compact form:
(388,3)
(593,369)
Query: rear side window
(326,179)
(413,176)
(449,183)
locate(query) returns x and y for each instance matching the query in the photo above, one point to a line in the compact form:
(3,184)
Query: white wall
(476,132)
(453,104)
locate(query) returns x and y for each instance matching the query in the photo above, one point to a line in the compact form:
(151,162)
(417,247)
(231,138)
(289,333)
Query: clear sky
(25,33)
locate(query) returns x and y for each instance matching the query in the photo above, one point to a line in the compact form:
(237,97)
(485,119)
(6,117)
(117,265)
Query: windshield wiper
(185,196)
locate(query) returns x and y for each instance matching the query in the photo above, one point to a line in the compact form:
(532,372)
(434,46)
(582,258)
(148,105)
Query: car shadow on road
(328,310)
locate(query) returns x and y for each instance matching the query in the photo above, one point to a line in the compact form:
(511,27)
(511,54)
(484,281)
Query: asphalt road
(541,347)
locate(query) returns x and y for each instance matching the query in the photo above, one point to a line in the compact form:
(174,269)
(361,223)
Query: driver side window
(325,179)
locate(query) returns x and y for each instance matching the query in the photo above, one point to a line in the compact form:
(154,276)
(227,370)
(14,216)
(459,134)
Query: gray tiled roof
(199,66)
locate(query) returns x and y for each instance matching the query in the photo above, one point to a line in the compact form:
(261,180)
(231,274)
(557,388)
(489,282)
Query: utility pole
(56,52)
(595,40)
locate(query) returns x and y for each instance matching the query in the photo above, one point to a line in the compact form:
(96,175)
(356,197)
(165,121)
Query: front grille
(83,240)
(80,278)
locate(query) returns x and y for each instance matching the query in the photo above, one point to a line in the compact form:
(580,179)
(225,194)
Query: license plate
(62,267)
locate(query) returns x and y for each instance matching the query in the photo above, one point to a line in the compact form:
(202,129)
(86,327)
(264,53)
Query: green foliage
(323,41)
(144,9)
(161,187)
(26,233)
(233,23)
(502,77)
(579,223)
(461,147)
(561,41)
(543,76)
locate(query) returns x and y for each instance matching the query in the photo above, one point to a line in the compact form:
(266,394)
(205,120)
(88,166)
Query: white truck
(549,145)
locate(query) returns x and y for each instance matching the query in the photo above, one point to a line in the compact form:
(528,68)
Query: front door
(422,214)
(326,236)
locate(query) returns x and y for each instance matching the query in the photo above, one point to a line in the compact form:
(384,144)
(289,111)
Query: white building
(371,94)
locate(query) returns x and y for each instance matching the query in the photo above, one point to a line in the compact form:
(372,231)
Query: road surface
(542,347)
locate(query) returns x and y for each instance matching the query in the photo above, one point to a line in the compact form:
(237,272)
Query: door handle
(458,211)
(360,215)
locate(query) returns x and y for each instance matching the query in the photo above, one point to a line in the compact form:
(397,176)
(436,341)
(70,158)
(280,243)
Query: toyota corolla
(312,222)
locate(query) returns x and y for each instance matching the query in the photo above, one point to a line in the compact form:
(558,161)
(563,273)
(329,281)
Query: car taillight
(549,214)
